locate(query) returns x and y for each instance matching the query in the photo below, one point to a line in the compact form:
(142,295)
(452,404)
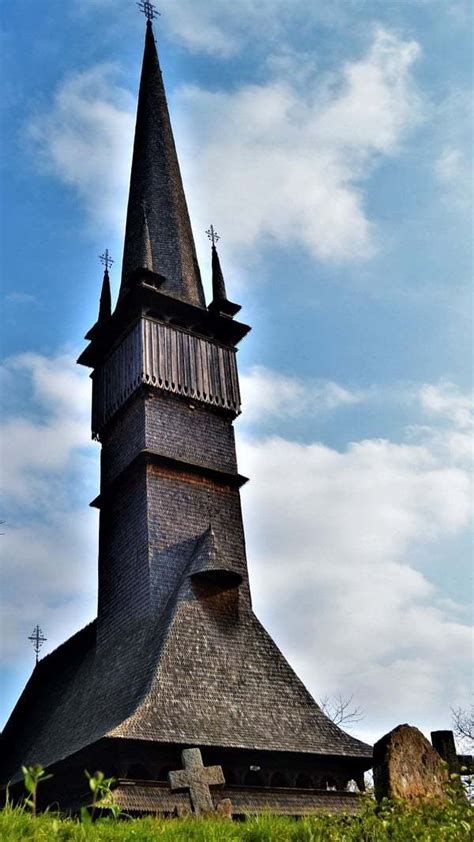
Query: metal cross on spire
(37,638)
(148,9)
(106,259)
(213,235)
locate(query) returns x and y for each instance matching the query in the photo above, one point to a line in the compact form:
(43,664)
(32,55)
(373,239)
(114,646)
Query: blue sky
(330,146)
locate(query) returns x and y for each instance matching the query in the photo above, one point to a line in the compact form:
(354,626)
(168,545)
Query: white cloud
(85,139)
(333,540)
(48,576)
(452,149)
(453,409)
(36,450)
(20,298)
(274,161)
(453,169)
(266,393)
(49,474)
(448,401)
(223,29)
(330,537)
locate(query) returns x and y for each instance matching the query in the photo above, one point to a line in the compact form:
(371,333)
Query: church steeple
(156,184)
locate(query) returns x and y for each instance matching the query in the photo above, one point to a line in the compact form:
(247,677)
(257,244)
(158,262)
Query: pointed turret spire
(220,303)
(105,305)
(218,284)
(155,180)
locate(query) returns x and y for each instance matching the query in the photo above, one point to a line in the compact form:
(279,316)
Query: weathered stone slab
(406,766)
(224,808)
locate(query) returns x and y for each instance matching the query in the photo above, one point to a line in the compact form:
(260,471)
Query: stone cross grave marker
(197,778)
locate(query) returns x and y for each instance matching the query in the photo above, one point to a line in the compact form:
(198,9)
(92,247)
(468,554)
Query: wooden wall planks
(168,358)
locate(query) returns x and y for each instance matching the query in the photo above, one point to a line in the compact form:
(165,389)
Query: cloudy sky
(329,145)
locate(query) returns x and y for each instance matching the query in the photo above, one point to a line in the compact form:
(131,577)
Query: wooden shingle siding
(168,358)
(153,797)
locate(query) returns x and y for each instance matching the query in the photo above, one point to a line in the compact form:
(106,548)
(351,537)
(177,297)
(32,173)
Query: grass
(394,822)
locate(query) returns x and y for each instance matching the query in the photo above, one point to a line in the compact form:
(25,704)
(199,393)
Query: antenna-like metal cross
(148,9)
(106,259)
(37,638)
(213,235)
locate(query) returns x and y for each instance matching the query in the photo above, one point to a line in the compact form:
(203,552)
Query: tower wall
(124,581)
(168,468)
(172,360)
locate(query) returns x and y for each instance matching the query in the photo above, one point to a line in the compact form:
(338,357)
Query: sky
(329,144)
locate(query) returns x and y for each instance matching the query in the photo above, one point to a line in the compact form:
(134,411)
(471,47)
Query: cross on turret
(37,638)
(197,778)
(213,235)
(106,259)
(148,9)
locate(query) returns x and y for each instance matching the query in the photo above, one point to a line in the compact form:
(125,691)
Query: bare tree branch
(463,727)
(341,711)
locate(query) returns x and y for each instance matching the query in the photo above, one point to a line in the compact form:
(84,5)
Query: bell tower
(165,393)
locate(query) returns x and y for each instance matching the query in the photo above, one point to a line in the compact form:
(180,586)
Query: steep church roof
(205,672)
(158,224)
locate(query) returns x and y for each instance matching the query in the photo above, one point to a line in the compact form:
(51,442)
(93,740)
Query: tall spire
(145,251)
(156,183)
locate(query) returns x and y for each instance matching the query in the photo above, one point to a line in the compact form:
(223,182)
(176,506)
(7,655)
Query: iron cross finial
(37,638)
(106,260)
(148,9)
(212,235)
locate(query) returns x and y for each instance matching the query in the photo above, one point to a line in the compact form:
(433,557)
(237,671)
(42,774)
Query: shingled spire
(156,183)
(105,306)
(219,292)
(145,252)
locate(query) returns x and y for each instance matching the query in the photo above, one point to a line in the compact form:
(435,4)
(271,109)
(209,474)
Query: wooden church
(176,668)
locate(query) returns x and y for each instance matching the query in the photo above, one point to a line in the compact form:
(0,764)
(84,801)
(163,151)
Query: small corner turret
(105,304)
(220,304)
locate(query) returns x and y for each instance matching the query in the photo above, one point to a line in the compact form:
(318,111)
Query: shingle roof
(204,673)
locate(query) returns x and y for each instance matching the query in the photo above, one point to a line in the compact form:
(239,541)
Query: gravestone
(224,808)
(407,767)
(443,742)
(197,778)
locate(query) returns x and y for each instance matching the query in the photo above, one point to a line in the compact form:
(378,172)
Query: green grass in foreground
(450,823)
